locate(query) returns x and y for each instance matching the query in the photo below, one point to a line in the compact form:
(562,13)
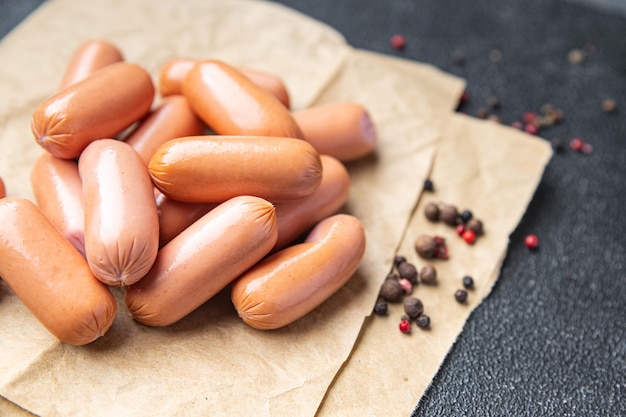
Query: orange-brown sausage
(289,284)
(100,106)
(173,73)
(121,221)
(3,191)
(205,169)
(296,217)
(342,130)
(50,276)
(231,104)
(176,216)
(57,189)
(203,260)
(88,58)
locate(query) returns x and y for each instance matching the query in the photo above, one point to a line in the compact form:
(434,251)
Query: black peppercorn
(407,270)
(423,321)
(381,308)
(428,185)
(460,296)
(425,246)
(428,275)
(465,216)
(432,212)
(393,276)
(391,291)
(413,307)
(468,282)
(493,102)
(398,259)
(448,214)
(476,226)
(557,144)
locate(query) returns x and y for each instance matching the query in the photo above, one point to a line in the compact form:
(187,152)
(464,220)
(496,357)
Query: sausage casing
(89,57)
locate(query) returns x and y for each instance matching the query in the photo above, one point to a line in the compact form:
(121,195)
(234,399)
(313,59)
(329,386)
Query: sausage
(212,169)
(203,259)
(292,282)
(3,191)
(295,217)
(231,104)
(50,276)
(176,216)
(173,73)
(57,189)
(121,221)
(342,130)
(87,59)
(100,106)
(173,118)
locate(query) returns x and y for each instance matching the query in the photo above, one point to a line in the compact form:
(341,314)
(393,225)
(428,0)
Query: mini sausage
(50,276)
(175,216)
(57,189)
(88,58)
(100,106)
(173,73)
(292,282)
(173,118)
(212,169)
(231,104)
(3,191)
(203,259)
(342,130)
(121,221)
(296,217)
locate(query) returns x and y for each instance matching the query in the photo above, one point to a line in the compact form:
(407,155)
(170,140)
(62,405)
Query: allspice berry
(432,212)
(407,270)
(425,246)
(428,275)
(381,308)
(391,291)
(413,307)
(475,225)
(449,214)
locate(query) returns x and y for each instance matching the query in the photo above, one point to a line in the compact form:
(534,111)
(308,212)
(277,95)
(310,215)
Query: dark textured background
(551,337)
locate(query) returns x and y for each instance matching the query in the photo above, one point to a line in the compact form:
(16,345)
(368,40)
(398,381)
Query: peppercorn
(413,307)
(405,326)
(460,296)
(425,246)
(482,113)
(423,321)
(398,259)
(466,216)
(576,144)
(460,229)
(609,105)
(469,236)
(493,102)
(381,308)
(393,276)
(428,185)
(576,56)
(407,286)
(407,270)
(586,148)
(441,250)
(391,291)
(468,282)
(476,226)
(531,241)
(432,212)
(398,42)
(428,275)
(557,144)
(448,214)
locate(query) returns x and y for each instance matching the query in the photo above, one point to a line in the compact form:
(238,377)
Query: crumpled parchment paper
(211,363)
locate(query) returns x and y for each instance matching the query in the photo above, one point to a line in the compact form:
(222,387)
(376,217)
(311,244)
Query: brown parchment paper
(491,169)
(210,363)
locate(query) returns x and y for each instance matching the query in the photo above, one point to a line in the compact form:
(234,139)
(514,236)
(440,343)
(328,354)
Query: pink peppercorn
(460,229)
(469,236)
(586,148)
(530,117)
(406,285)
(576,144)
(531,129)
(398,42)
(531,241)
(405,326)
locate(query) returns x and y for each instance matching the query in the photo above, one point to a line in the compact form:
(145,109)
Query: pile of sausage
(178,193)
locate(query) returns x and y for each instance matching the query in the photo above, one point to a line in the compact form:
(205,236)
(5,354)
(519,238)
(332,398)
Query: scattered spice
(432,212)
(413,307)
(448,214)
(391,291)
(408,271)
(429,247)
(482,113)
(476,226)
(493,102)
(406,285)
(557,144)
(423,321)
(531,241)
(460,229)
(428,185)
(609,105)
(531,129)
(465,216)
(468,282)
(398,259)
(576,56)
(469,236)
(398,42)
(586,148)
(381,308)
(576,144)
(460,296)
(428,275)
(405,326)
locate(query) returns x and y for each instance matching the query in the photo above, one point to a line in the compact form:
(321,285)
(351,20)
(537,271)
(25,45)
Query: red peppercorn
(530,117)
(586,148)
(531,129)
(460,229)
(398,42)
(576,144)
(469,236)
(531,241)
(464,97)
(405,326)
